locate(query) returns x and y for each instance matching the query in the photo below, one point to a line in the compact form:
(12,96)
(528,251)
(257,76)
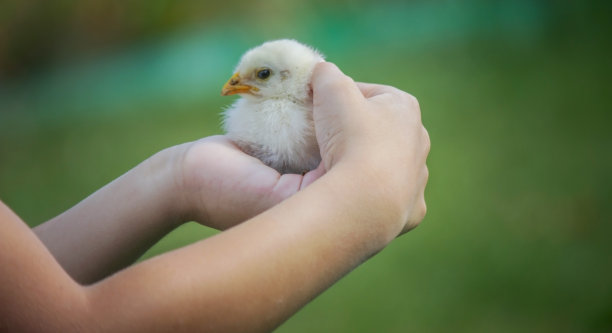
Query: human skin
(287,238)
(209,180)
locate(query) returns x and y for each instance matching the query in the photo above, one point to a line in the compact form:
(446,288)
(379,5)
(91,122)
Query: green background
(515,95)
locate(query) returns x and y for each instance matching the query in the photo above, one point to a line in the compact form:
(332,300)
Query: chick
(272,120)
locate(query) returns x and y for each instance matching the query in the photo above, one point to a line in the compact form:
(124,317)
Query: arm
(115,225)
(210,181)
(253,276)
(249,278)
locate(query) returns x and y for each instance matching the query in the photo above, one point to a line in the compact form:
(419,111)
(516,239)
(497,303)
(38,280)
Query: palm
(227,186)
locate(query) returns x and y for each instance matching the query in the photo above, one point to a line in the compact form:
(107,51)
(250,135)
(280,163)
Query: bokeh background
(515,94)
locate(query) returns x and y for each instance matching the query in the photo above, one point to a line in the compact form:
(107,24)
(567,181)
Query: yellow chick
(272,120)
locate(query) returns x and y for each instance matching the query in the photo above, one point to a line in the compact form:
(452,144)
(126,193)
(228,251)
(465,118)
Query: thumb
(336,99)
(332,90)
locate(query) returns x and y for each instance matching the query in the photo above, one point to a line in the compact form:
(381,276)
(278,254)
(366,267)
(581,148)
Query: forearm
(255,275)
(209,181)
(112,227)
(249,278)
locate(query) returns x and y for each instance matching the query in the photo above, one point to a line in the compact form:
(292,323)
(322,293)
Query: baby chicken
(272,120)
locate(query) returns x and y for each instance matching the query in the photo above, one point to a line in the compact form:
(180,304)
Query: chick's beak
(235,86)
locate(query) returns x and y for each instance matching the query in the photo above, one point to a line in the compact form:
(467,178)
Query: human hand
(220,186)
(377,132)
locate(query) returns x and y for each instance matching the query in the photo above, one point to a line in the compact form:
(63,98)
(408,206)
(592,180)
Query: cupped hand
(221,186)
(376,131)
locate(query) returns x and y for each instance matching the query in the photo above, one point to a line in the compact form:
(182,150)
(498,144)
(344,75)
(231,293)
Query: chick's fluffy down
(274,122)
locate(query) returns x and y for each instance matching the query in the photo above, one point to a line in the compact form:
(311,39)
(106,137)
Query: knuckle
(423,210)
(427,141)
(415,102)
(411,100)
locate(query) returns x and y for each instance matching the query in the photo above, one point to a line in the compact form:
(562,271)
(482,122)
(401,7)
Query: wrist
(163,174)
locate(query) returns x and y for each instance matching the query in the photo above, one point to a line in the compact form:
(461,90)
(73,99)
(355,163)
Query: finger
(286,185)
(371,89)
(313,175)
(329,83)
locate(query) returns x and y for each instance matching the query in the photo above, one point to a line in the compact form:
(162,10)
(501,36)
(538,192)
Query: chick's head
(275,69)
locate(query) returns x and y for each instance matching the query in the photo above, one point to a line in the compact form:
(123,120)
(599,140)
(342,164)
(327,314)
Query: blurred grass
(517,233)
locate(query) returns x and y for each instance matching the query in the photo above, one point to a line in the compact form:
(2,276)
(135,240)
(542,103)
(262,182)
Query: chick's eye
(263,73)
